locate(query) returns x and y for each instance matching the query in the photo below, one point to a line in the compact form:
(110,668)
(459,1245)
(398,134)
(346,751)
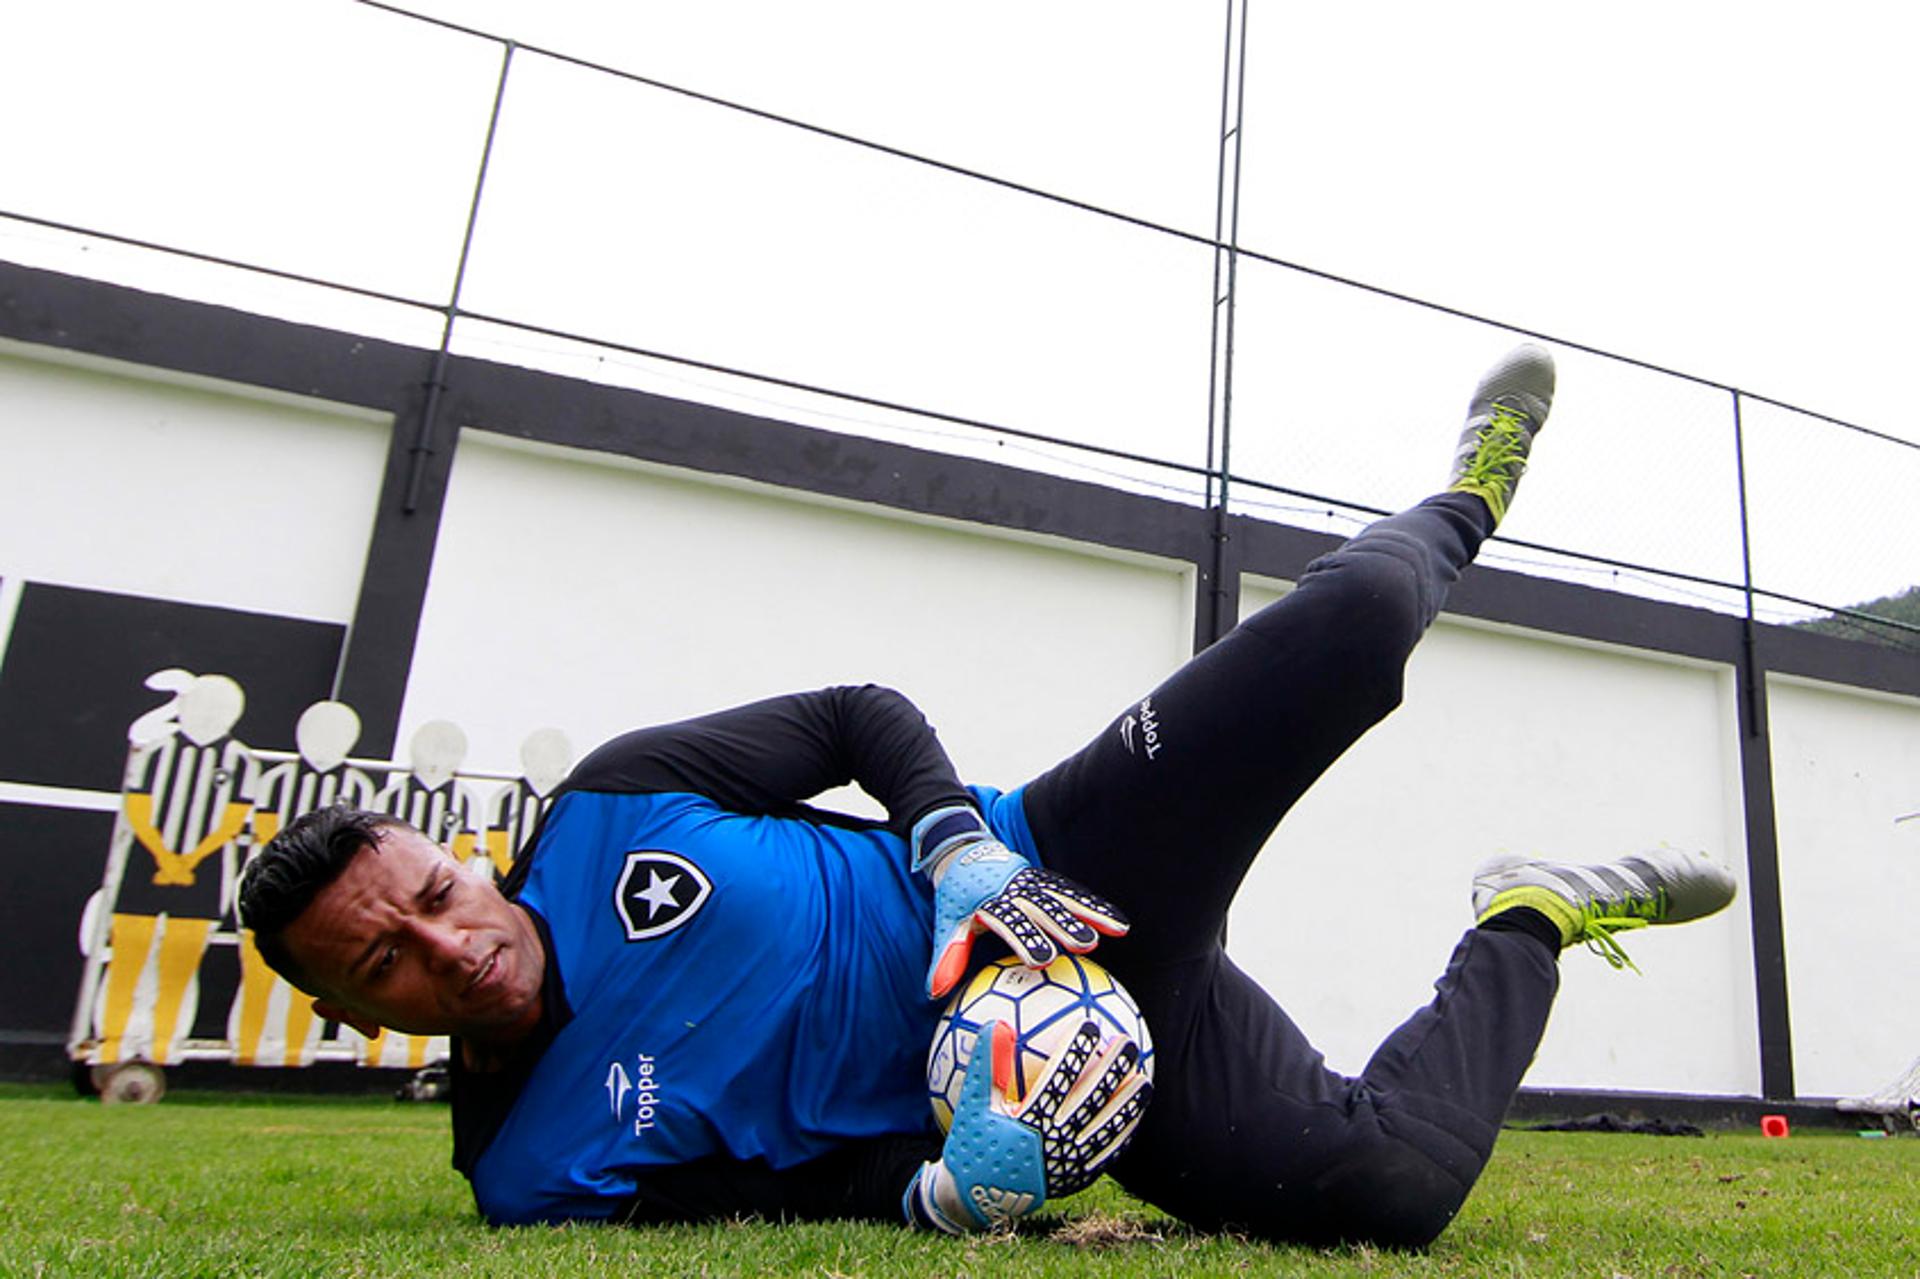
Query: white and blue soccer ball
(1043,1005)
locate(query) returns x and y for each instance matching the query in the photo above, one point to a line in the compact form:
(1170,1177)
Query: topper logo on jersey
(658,892)
(644,1084)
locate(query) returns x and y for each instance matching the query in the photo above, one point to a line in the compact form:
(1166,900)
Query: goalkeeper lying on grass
(697,997)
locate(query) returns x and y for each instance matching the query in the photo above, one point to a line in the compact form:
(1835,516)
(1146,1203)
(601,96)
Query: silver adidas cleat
(1508,409)
(1591,903)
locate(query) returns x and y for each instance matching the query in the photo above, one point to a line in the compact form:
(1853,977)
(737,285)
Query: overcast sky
(1719,188)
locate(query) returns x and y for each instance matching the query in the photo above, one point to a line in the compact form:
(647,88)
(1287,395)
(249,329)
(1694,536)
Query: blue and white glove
(980,884)
(1006,1156)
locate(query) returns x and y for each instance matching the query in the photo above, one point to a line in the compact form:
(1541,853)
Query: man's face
(407,938)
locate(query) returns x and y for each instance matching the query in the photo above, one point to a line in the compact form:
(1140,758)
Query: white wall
(594,595)
(1510,741)
(1845,765)
(176,488)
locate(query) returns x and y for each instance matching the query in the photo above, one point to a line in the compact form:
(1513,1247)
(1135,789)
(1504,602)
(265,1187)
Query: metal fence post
(1775,1028)
(1219,580)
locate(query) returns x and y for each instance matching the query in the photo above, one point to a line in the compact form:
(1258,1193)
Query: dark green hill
(1903,610)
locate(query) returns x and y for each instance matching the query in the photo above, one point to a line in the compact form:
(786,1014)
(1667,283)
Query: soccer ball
(1043,1005)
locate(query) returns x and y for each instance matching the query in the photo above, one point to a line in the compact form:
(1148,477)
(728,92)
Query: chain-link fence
(578,217)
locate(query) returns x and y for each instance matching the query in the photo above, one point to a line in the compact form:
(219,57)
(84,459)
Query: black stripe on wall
(51,860)
(74,674)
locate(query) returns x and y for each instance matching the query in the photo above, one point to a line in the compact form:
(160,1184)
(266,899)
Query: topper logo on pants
(1143,728)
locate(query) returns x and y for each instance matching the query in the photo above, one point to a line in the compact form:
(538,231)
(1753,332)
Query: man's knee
(1377,606)
(1365,1186)
(1391,1196)
(1388,579)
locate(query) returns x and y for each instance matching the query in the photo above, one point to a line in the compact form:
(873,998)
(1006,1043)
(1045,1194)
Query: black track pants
(1165,810)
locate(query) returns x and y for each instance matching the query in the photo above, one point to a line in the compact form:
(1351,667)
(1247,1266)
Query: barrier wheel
(131,1083)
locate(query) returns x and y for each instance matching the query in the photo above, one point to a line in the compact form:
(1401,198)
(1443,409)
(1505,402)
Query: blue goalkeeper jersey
(739,986)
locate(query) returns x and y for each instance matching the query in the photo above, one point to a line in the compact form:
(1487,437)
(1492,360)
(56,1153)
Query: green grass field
(222,1185)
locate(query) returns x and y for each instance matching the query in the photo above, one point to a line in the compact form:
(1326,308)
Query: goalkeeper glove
(1007,1156)
(980,884)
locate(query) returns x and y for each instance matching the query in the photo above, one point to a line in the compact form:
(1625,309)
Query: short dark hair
(283,879)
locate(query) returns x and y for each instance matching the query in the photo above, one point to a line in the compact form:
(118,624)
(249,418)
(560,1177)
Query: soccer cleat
(1507,410)
(1591,903)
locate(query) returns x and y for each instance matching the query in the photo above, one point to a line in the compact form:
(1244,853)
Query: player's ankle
(1528,922)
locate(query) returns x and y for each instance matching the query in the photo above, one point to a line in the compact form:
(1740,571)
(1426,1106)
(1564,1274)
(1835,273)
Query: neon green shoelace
(1599,921)
(1598,936)
(1503,445)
